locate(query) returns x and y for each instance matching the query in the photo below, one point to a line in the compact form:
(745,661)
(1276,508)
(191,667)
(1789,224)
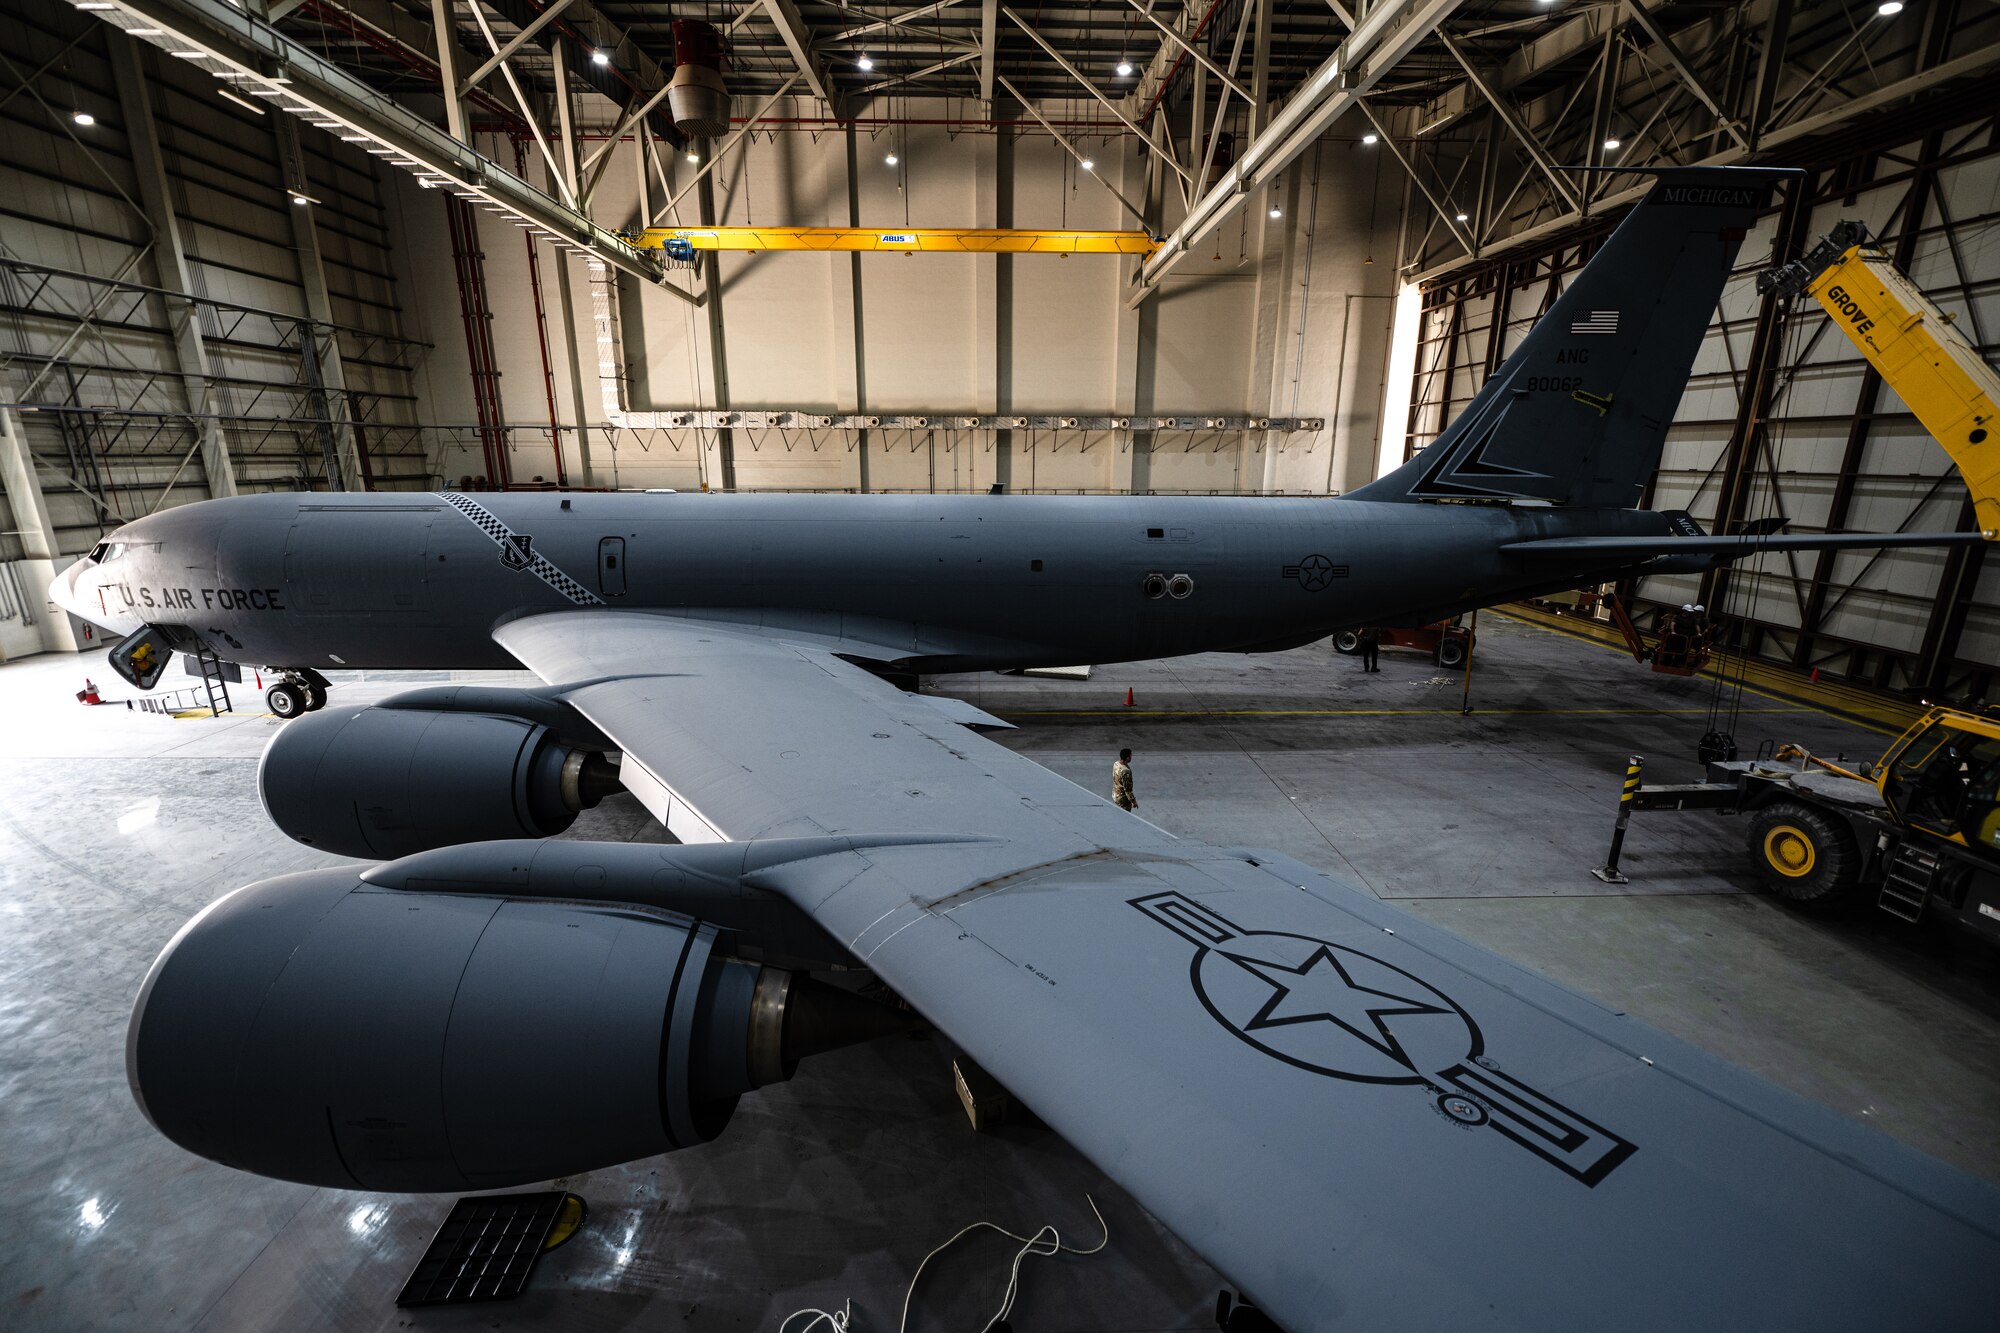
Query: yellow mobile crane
(1920,827)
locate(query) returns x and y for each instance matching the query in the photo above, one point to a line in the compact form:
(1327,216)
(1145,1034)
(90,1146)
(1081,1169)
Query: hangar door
(345,558)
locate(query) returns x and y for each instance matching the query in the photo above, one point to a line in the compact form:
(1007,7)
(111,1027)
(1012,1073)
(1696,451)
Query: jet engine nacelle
(386,782)
(318,1028)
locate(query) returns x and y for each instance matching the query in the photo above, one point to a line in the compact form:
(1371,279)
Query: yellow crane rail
(1914,346)
(681,242)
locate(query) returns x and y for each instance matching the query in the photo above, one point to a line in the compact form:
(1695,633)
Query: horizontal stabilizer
(1729,548)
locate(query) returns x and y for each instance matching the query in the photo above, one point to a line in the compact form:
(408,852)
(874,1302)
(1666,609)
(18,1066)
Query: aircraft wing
(1362,1120)
(1728,547)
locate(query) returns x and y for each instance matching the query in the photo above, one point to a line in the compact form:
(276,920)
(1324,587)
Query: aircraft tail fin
(1578,414)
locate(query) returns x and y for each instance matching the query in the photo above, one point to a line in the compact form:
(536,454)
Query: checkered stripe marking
(539,565)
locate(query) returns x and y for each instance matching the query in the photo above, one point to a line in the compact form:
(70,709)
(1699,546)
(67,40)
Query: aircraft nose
(62,588)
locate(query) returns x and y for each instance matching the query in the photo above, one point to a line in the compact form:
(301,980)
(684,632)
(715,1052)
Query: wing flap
(963,713)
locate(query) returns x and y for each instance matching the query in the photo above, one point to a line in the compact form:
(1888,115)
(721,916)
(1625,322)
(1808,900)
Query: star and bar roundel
(1334,1010)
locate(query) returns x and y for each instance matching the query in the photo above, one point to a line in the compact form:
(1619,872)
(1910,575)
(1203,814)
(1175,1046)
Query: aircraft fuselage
(944,582)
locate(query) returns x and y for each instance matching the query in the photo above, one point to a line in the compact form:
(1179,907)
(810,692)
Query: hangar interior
(255,246)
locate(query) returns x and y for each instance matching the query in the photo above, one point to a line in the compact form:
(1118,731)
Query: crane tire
(1805,855)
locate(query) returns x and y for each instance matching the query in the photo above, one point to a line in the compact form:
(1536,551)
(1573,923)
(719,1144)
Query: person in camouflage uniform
(1121,782)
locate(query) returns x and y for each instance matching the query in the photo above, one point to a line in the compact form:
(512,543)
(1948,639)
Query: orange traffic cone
(1128,696)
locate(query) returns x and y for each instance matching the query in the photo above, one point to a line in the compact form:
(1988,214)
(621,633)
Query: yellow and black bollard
(1609,871)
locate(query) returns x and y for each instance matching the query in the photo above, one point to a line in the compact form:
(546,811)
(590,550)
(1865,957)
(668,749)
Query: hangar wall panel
(1275,317)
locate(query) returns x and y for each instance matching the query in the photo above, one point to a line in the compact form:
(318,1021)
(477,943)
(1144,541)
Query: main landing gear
(297,692)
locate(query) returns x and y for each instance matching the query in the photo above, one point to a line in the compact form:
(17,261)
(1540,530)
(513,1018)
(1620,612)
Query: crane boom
(1916,348)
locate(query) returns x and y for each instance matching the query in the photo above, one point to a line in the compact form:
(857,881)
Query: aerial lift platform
(1681,645)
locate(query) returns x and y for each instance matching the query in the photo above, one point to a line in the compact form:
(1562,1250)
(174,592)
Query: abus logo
(1691,194)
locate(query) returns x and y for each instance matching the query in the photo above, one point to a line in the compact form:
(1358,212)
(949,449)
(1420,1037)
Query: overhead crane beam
(907,240)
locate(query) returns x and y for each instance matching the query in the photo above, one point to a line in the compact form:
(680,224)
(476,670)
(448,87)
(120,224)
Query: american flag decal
(1596,321)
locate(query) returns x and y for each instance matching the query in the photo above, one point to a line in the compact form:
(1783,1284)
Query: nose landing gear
(296,692)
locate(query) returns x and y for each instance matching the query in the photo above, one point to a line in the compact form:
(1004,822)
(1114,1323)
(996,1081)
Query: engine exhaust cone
(825,1018)
(793,1016)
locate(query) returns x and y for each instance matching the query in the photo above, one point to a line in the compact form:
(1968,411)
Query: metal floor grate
(485,1249)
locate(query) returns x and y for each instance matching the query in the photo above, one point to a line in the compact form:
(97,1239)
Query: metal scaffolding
(124,432)
(1774,82)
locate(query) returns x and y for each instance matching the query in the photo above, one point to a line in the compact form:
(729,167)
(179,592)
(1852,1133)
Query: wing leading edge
(1362,1120)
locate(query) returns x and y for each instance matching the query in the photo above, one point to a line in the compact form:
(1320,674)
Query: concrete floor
(116,826)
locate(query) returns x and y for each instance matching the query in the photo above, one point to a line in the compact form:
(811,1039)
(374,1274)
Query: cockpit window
(97,552)
(108,551)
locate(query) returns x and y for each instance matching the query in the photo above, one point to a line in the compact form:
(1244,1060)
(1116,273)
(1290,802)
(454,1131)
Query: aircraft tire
(285,700)
(1807,856)
(1347,642)
(315,698)
(1450,653)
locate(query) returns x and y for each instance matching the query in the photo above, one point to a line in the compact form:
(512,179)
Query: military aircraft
(1360,1119)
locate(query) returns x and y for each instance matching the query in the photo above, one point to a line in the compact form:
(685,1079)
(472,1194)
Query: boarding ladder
(1907,879)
